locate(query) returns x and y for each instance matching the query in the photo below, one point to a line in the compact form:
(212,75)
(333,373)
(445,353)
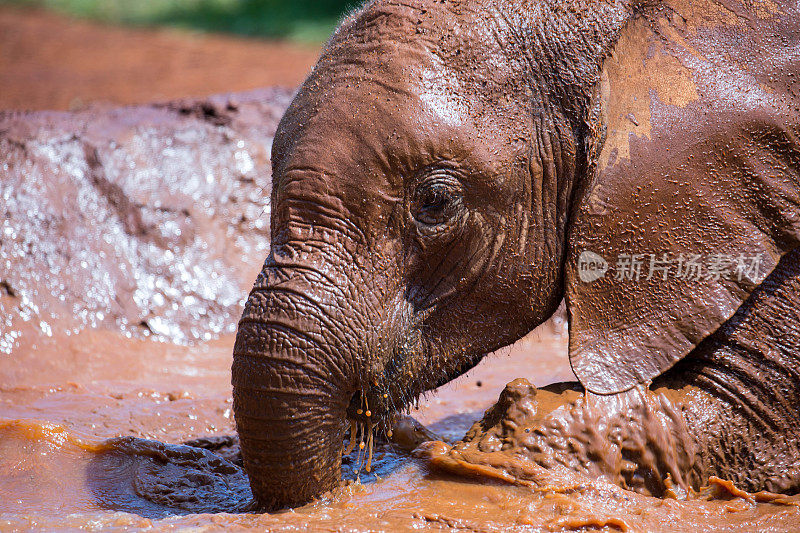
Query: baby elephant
(452,169)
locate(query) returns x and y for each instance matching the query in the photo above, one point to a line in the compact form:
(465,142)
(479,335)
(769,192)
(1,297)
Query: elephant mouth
(396,390)
(368,409)
(368,421)
(383,392)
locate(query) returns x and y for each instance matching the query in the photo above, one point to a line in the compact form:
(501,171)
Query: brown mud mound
(128,241)
(631,439)
(557,439)
(147,220)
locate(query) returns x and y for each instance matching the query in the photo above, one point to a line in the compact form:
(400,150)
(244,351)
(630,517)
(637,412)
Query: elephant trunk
(289,396)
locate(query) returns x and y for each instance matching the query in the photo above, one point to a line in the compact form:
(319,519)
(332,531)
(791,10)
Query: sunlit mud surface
(100,445)
(119,291)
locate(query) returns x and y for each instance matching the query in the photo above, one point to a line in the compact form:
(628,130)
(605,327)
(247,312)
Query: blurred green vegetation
(300,20)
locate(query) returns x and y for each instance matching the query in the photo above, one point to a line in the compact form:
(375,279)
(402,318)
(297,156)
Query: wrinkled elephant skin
(451,170)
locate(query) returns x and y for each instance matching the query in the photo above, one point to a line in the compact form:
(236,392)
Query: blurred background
(70,54)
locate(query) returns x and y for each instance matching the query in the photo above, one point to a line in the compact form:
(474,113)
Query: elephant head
(445,176)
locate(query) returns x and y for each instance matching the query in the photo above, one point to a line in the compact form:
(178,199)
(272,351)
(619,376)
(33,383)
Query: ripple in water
(155,480)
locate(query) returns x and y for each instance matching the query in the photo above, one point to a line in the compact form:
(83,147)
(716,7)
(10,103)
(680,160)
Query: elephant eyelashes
(436,201)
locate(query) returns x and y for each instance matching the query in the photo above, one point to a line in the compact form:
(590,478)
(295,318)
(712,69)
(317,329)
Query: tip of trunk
(278,487)
(286,471)
(288,407)
(291,446)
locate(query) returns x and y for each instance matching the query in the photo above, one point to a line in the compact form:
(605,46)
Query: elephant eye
(436,201)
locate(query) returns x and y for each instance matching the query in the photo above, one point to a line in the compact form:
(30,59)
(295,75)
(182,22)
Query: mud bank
(128,242)
(51,61)
(147,220)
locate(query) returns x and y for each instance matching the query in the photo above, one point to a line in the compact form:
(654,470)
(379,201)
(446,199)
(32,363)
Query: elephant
(452,170)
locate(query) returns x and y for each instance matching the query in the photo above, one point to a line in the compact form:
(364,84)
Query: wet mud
(129,241)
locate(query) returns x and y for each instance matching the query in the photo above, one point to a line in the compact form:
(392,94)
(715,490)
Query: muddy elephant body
(451,170)
(727,410)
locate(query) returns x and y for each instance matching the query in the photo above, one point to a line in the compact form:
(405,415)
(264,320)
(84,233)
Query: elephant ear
(694,197)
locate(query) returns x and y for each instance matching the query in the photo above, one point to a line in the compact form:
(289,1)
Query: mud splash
(116,308)
(205,475)
(555,439)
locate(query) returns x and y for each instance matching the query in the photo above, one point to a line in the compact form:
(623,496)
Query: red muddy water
(128,242)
